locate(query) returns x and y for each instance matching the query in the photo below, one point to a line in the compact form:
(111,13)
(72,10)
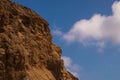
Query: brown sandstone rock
(26,48)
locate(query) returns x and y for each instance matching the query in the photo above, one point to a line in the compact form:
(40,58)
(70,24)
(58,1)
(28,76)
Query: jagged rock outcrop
(26,48)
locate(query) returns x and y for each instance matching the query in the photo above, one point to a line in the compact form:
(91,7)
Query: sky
(88,33)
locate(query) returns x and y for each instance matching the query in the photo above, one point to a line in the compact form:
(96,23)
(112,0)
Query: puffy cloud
(97,30)
(71,66)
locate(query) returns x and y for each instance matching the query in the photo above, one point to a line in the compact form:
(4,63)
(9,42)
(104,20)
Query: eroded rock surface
(26,48)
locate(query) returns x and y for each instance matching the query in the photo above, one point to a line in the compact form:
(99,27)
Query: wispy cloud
(71,66)
(98,30)
(57,32)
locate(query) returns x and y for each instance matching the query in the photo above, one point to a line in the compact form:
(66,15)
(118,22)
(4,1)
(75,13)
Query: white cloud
(67,61)
(71,66)
(97,30)
(57,32)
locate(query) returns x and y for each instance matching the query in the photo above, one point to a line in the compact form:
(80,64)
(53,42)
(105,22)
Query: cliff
(26,48)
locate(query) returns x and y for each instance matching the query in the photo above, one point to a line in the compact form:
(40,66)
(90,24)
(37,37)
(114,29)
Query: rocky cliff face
(26,48)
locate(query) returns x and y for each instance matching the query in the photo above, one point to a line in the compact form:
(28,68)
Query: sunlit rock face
(26,48)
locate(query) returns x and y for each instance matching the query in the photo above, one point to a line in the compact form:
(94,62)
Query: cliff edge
(26,48)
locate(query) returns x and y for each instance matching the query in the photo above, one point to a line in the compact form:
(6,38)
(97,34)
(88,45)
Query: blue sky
(88,33)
